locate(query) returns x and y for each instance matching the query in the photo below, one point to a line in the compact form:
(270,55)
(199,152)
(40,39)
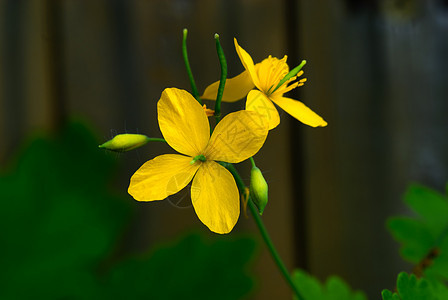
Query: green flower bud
(258,189)
(125,142)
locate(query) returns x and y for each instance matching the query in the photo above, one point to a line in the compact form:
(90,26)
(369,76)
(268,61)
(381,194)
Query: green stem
(239,182)
(194,89)
(252,161)
(272,250)
(156,140)
(222,81)
(277,259)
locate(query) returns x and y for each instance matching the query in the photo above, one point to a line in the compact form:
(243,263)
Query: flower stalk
(252,161)
(265,235)
(194,90)
(222,81)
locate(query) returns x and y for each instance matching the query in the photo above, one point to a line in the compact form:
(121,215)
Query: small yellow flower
(185,127)
(265,76)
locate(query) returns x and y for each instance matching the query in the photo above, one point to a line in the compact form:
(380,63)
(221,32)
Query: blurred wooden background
(376,72)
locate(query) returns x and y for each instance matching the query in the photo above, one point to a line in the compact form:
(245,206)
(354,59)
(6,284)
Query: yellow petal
(247,62)
(237,137)
(183,122)
(215,197)
(299,111)
(162,176)
(259,102)
(236,88)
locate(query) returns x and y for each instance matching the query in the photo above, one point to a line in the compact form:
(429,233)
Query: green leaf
(426,233)
(334,289)
(59,217)
(431,206)
(411,288)
(415,237)
(188,269)
(61,222)
(388,295)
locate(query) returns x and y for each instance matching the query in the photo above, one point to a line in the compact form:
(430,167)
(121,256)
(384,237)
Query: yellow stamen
(284,88)
(271,71)
(208,112)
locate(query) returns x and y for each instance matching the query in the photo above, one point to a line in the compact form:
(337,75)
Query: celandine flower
(185,127)
(265,76)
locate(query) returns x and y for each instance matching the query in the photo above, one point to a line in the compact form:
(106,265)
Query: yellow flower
(185,127)
(265,76)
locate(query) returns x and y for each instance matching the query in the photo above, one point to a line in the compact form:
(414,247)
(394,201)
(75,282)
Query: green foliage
(58,218)
(60,223)
(411,288)
(334,289)
(428,232)
(189,269)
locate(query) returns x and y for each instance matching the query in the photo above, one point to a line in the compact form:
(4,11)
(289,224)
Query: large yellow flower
(265,76)
(186,129)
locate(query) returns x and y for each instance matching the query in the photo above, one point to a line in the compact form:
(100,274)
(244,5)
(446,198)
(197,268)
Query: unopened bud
(125,142)
(258,189)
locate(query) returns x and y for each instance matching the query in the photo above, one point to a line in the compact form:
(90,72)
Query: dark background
(376,73)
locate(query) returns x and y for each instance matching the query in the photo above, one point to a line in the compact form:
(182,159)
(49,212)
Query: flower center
(200,157)
(270,71)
